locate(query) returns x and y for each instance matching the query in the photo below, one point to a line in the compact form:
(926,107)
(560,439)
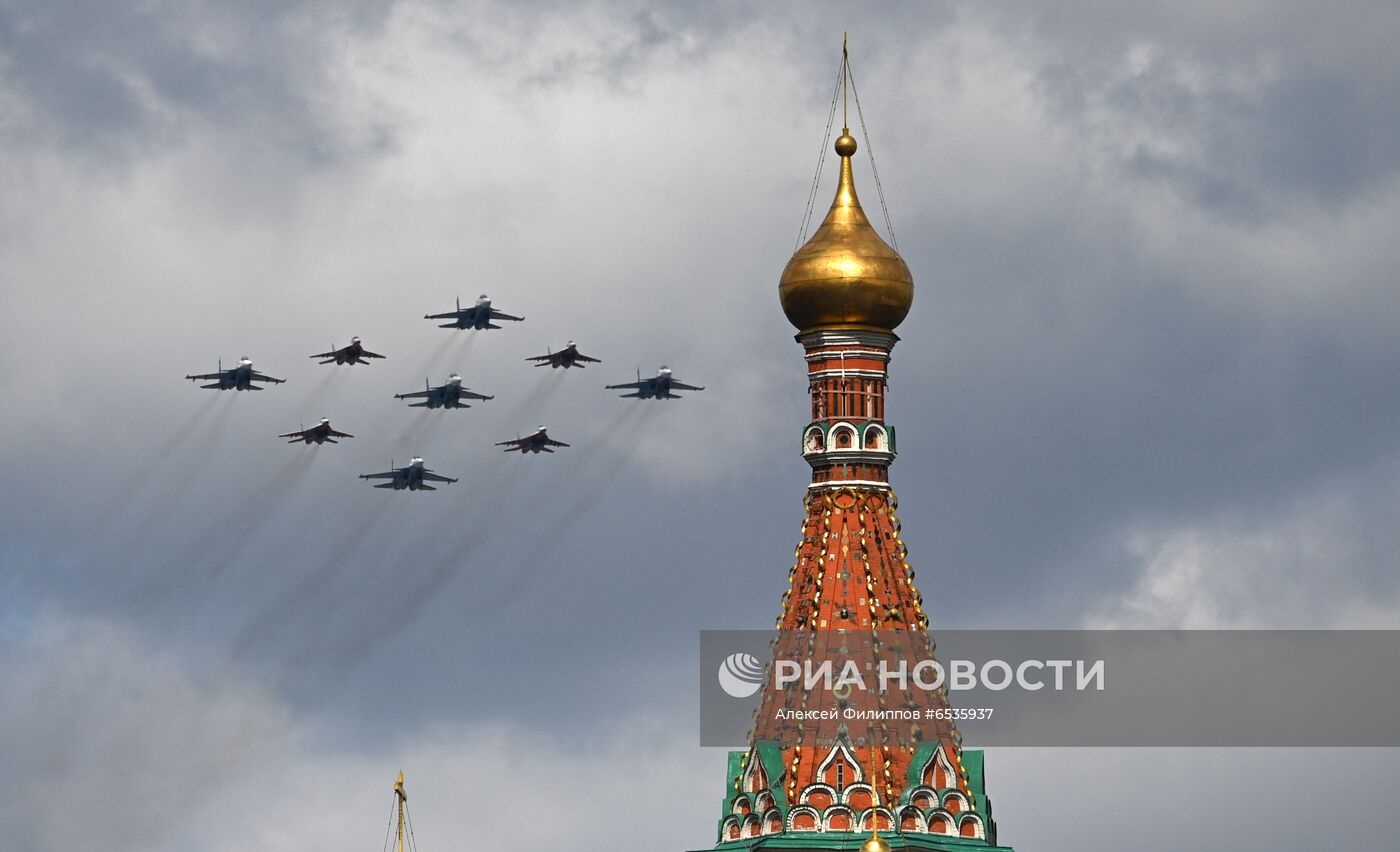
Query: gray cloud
(1154,337)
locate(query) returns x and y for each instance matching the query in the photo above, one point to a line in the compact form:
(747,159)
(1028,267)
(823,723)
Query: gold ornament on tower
(846,276)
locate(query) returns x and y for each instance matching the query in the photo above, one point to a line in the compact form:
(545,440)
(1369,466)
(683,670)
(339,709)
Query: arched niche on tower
(843,437)
(874,437)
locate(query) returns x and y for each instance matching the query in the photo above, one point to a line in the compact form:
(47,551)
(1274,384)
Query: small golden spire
(876,843)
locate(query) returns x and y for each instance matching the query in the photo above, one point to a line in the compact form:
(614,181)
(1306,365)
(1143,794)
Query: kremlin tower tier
(846,291)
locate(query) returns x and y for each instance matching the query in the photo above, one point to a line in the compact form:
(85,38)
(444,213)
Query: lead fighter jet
(449,395)
(234,378)
(415,477)
(319,434)
(657,387)
(567,357)
(352,354)
(478,316)
(540,442)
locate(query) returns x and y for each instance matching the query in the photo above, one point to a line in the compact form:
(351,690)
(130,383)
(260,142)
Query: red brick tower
(846,291)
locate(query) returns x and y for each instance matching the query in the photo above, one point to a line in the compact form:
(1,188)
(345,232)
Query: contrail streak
(310,594)
(574,504)
(313,400)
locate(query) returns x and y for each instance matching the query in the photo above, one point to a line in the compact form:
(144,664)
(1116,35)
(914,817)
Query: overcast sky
(1149,380)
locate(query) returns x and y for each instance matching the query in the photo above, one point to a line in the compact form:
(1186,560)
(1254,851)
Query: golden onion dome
(846,276)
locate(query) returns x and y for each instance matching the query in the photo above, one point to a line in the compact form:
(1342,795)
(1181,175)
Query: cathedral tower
(846,291)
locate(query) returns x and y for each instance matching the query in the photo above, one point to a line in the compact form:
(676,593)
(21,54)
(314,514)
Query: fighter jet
(478,316)
(235,378)
(450,395)
(352,354)
(657,387)
(415,477)
(567,357)
(319,434)
(540,442)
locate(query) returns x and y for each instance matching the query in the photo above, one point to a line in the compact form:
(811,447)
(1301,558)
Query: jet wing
(334,434)
(388,474)
(302,434)
(632,385)
(518,442)
(541,358)
(466,394)
(580,357)
(429,476)
(675,385)
(464,313)
(495,314)
(260,377)
(554,443)
(365,353)
(335,353)
(416,394)
(207,377)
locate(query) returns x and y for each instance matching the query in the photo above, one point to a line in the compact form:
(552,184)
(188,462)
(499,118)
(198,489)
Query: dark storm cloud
(1148,377)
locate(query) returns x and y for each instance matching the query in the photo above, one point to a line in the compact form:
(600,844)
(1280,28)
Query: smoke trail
(256,510)
(428,423)
(312,402)
(526,411)
(573,505)
(134,491)
(165,483)
(202,562)
(311,595)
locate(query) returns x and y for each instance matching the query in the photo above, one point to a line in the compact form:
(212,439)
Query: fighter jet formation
(450,395)
(415,477)
(539,442)
(321,433)
(477,317)
(657,387)
(352,354)
(240,378)
(567,357)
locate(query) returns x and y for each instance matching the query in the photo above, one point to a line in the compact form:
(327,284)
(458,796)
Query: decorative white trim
(833,811)
(869,816)
(938,759)
(980,832)
(818,786)
(847,755)
(753,765)
(848,337)
(838,484)
(946,819)
(804,809)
